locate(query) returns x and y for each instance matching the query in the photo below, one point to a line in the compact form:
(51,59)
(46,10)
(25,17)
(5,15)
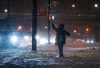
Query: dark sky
(84,7)
(16,5)
(62,4)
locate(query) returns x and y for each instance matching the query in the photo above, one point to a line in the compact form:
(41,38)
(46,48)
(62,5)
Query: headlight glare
(14,39)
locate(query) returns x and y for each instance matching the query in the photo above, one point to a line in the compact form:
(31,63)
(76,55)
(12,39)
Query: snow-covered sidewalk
(23,58)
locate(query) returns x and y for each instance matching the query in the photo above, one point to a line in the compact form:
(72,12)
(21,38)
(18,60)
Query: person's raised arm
(53,26)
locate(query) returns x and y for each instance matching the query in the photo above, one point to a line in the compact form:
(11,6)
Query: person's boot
(61,55)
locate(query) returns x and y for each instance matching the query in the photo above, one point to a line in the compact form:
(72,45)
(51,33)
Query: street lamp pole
(49,21)
(34,25)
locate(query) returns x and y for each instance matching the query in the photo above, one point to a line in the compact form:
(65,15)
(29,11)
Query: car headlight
(87,41)
(37,37)
(26,37)
(43,41)
(92,41)
(14,39)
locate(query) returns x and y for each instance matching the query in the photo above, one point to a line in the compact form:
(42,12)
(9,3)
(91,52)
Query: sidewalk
(48,59)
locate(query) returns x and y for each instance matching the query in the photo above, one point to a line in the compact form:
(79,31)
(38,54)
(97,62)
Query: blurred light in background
(5,10)
(73,5)
(53,17)
(43,41)
(52,40)
(26,37)
(19,28)
(92,41)
(89,41)
(75,31)
(37,37)
(14,39)
(96,5)
(25,41)
(87,29)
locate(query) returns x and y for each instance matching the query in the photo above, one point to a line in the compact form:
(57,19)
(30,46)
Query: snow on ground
(75,57)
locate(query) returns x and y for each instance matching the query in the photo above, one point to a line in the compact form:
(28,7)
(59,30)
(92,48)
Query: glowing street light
(74,34)
(5,10)
(19,28)
(96,5)
(87,29)
(75,31)
(73,5)
(54,3)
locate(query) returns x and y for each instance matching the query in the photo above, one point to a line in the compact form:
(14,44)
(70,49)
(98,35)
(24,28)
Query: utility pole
(8,24)
(34,25)
(49,21)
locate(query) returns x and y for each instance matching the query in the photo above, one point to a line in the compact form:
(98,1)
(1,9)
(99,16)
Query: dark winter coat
(60,35)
